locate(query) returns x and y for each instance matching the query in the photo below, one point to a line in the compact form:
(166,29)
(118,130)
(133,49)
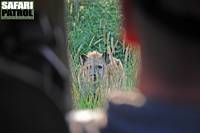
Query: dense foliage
(95,25)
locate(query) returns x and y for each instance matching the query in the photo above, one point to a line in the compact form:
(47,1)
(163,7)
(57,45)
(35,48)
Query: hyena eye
(100,67)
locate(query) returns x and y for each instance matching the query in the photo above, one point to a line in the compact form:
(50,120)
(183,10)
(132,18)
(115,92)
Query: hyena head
(94,64)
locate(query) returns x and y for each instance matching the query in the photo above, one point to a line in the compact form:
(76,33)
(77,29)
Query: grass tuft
(95,25)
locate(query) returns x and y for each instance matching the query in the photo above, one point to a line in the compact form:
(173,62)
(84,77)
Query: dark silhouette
(34,73)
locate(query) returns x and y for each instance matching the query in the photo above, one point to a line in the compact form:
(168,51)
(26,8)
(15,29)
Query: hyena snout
(93,76)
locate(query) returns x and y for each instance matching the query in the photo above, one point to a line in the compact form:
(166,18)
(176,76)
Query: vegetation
(95,25)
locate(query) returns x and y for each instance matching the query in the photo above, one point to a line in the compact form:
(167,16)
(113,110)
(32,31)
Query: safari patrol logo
(17,10)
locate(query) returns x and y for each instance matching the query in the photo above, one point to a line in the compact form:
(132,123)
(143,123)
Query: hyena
(99,71)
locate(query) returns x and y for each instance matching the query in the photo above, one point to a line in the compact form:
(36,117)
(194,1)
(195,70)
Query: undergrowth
(95,25)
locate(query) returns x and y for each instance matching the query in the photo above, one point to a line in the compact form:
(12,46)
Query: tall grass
(95,25)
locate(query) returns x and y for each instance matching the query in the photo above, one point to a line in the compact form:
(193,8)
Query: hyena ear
(83,58)
(106,57)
